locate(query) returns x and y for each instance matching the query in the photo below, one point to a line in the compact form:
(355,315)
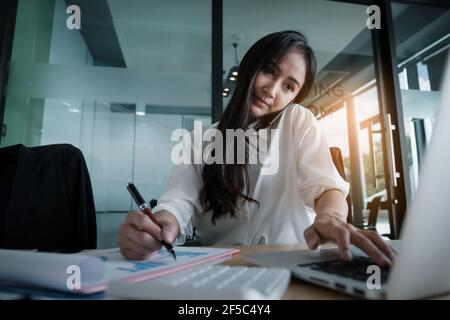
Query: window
(422,39)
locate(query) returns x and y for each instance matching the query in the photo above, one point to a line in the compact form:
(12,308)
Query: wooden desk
(298,289)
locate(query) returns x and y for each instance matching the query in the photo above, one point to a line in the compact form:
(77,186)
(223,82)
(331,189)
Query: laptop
(422,266)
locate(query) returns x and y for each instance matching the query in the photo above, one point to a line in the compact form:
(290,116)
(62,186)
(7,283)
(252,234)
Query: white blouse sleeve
(181,196)
(316,170)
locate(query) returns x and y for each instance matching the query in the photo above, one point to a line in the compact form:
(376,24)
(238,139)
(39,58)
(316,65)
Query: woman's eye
(289,87)
(268,70)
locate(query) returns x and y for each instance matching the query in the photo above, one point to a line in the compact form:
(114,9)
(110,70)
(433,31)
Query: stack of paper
(91,271)
(64,272)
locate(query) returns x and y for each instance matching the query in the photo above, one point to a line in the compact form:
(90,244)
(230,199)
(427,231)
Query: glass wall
(116,89)
(422,39)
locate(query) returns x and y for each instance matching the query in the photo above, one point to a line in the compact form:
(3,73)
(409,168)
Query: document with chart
(91,271)
(160,263)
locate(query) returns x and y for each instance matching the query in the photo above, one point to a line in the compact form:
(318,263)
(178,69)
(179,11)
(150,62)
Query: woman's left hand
(327,227)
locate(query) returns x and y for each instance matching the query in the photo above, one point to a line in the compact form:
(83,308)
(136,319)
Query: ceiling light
(231,78)
(140,109)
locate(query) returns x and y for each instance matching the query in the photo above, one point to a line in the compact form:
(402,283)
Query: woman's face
(276,86)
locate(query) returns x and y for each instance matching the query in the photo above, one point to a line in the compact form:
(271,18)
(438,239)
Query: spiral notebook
(96,268)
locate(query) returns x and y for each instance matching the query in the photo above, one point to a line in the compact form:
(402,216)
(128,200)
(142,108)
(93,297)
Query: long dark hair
(223,185)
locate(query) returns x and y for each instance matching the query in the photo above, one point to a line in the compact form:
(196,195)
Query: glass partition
(116,89)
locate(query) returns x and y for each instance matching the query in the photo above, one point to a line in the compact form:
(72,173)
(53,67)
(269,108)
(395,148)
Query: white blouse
(286,198)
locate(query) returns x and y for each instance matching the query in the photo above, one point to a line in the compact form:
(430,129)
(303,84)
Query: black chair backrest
(48,202)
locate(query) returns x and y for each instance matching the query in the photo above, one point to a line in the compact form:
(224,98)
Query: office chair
(373,207)
(46,199)
(338,161)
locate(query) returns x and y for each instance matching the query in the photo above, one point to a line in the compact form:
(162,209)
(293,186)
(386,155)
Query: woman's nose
(270,90)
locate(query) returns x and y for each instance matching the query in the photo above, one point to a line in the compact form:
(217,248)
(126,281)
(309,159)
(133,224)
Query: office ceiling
(175,35)
(171,35)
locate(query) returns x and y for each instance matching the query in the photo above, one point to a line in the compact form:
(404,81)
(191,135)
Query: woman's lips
(260,102)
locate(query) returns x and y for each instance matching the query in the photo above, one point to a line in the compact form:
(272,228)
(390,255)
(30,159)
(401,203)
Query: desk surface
(298,289)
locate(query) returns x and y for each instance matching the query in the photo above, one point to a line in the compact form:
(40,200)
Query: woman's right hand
(139,236)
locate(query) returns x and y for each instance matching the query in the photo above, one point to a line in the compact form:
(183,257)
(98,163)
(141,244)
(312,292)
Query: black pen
(145,208)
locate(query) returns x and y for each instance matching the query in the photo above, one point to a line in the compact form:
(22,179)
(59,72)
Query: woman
(303,200)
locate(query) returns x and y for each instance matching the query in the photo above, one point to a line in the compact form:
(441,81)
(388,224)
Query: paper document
(52,270)
(160,263)
(97,268)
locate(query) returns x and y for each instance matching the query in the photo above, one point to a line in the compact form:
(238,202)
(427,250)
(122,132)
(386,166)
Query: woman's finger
(312,237)
(141,222)
(380,243)
(143,240)
(133,255)
(342,239)
(364,243)
(138,248)
(169,231)
(139,241)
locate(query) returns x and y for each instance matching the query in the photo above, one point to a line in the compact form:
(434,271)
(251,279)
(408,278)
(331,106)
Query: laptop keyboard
(355,269)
